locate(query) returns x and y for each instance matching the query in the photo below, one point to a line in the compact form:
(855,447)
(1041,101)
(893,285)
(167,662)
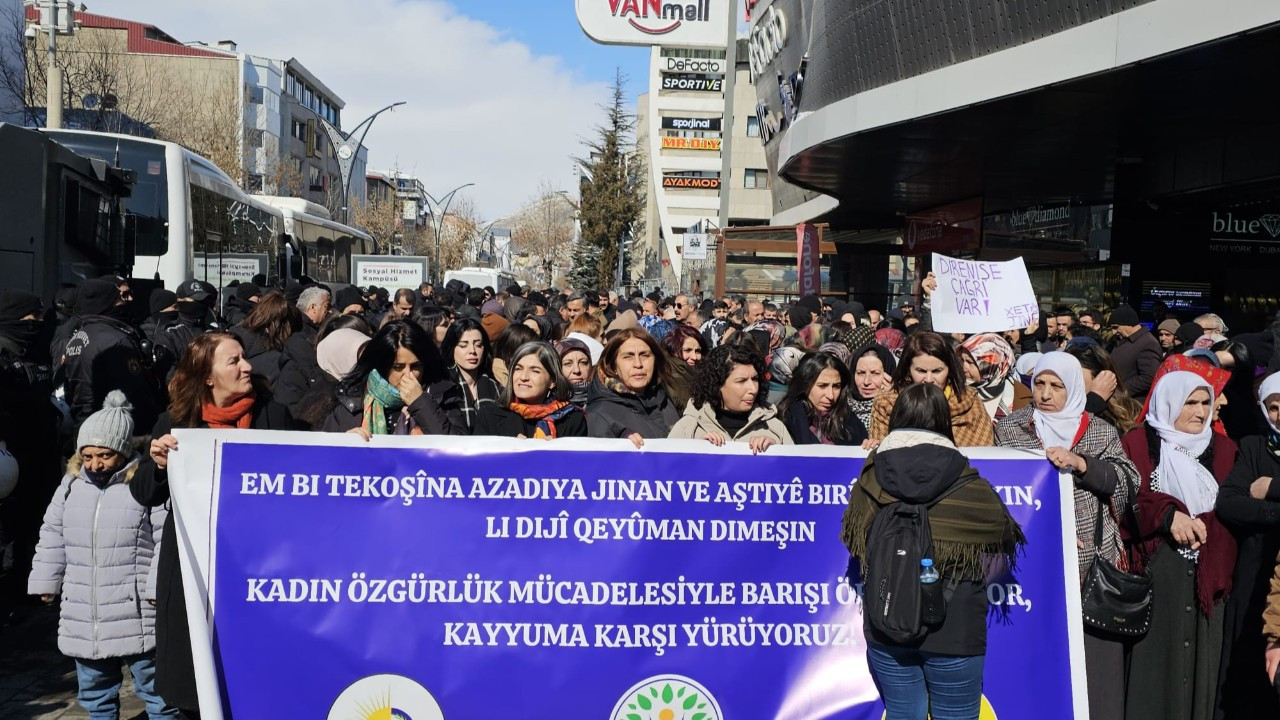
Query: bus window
(148,204)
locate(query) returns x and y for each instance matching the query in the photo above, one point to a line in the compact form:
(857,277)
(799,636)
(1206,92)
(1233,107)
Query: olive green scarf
(967,544)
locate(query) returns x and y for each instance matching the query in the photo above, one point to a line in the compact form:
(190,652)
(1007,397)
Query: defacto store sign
(692,65)
(697,23)
(698,83)
(705,124)
(691,183)
(680,143)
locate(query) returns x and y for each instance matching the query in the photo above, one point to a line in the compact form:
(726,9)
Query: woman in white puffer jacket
(96,548)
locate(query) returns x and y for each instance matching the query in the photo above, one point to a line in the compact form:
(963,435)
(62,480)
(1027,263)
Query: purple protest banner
(479,578)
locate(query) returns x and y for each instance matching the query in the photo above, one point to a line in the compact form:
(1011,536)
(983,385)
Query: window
(256,182)
(253,94)
(299,130)
(254,138)
(753,126)
(290,85)
(313,179)
(756,179)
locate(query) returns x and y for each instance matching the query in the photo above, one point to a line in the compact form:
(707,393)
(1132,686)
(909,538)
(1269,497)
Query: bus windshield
(148,207)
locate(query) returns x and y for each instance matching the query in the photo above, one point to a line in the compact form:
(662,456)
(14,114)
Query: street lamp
(347,151)
(57,17)
(438,210)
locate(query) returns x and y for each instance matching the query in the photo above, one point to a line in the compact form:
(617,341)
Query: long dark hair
(922,407)
(936,346)
(1122,410)
(453,336)
(380,354)
(712,373)
(511,339)
(429,317)
(802,380)
(273,319)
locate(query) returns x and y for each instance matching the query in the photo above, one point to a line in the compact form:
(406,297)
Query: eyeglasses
(679,305)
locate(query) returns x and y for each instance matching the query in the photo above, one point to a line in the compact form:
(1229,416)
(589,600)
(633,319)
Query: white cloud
(481,107)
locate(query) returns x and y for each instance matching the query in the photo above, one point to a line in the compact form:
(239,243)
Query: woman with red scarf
(212,388)
(1182,462)
(535,402)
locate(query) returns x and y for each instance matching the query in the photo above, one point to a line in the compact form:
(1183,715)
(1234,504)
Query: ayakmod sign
(655,22)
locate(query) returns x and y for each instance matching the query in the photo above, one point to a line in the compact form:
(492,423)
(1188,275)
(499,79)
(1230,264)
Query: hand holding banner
(480,578)
(981,296)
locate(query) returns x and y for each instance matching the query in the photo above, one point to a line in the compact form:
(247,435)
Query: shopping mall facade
(1127,149)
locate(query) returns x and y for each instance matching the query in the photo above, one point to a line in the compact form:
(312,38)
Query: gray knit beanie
(111,427)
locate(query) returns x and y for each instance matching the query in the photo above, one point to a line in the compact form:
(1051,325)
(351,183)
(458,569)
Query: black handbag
(1112,601)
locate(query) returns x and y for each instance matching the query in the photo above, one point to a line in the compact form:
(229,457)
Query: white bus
(481,277)
(188,219)
(326,245)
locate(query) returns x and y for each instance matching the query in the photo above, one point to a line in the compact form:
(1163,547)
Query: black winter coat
(29,428)
(298,367)
(104,355)
(498,421)
(797,421)
(437,412)
(1244,691)
(617,415)
(175,674)
(265,361)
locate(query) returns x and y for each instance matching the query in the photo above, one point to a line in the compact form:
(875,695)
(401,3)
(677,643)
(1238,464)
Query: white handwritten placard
(982,296)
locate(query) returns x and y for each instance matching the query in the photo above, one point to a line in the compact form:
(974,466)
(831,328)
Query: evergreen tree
(612,196)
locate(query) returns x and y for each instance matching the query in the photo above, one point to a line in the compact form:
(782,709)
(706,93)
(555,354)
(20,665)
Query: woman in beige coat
(728,402)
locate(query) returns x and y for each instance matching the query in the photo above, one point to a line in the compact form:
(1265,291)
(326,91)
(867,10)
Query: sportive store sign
(699,83)
(679,143)
(679,123)
(696,23)
(691,183)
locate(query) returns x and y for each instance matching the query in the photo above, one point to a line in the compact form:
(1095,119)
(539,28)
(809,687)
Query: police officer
(105,354)
(28,436)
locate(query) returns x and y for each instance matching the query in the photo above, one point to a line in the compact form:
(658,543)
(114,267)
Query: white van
(482,277)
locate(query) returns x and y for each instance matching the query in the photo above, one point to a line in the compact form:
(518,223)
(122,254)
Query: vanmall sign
(651,22)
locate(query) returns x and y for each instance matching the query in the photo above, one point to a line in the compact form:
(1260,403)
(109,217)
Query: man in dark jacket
(29,431)
(105,354)
(298,367)
(241,303)
(1137,353)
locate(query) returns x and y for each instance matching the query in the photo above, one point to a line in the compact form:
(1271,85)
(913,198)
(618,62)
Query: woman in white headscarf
(1173,669)
(1249,505)
(1104,480)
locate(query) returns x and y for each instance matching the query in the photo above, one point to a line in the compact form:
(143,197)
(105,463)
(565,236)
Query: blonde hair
(589,325)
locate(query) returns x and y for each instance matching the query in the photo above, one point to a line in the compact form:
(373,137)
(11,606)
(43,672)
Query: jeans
(915,684)
(100,680)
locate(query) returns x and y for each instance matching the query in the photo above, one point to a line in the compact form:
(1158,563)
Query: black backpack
(898,540)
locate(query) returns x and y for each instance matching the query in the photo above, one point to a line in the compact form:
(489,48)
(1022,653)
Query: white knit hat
(111,427)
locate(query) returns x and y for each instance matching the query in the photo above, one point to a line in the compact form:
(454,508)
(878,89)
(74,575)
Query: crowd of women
(1159,486)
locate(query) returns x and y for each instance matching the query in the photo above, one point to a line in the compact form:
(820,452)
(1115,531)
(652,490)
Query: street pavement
(36,681)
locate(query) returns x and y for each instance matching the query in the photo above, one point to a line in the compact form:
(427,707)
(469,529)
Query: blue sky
(499,93)
(553,30)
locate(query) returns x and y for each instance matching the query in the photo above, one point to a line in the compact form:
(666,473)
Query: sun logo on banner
(385,697)
(986,712)
(667,697)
